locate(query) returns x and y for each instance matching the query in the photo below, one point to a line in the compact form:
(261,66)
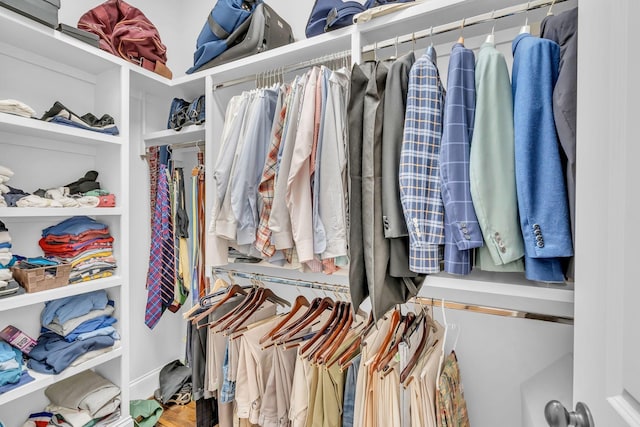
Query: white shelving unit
(45,66)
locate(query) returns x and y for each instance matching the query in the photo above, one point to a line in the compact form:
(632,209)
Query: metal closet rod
(330,287)
(495,311)
(276,72)
(460,25)
(321,286)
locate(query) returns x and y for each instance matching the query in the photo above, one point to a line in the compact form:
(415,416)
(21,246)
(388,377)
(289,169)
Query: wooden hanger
(312,314)
(395,322)
(325,329)
(395,343)
(249,297)
(332,343)
(226,321)
(300,302)
(265,294)
(231,292)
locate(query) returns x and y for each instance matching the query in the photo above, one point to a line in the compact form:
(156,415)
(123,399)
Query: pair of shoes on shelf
(183,113)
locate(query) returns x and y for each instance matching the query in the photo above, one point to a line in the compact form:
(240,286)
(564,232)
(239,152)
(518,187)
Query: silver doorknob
(558,416)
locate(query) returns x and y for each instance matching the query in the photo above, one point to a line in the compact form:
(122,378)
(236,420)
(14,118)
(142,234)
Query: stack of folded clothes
(84,243)
(74,330)
(82,193)
(12,372)
(11,106)
(60,114)
(85,399)
(5,176)
(8,286)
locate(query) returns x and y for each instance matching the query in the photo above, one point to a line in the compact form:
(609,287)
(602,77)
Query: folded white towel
(5,274)
(13,106)
(6,171)
(33,201)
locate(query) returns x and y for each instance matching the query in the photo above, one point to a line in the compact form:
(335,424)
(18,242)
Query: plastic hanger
(491,37)
(444,343)
(526,28)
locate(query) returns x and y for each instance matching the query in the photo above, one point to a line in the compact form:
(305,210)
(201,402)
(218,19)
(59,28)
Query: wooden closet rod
(463,23)
(330,287)
(277,72)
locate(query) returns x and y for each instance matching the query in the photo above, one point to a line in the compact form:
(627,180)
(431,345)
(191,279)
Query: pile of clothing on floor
(85,399)
(8,286)
(84,243)
(12,371)
(82,193)
(74,329)
(17,108)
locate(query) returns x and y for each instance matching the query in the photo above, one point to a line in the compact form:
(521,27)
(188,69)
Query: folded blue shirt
(88,327)
(110,130)
(25,378)
(12,376)
(53,354)
(68,308)
(74,226)
(6,351)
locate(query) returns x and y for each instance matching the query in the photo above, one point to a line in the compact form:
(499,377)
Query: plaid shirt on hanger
(420,165)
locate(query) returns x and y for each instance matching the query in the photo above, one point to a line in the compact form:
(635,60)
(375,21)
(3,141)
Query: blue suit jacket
(540,185)
(461,231)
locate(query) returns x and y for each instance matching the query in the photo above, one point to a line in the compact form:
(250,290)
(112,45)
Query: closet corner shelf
(57,212)
(193,133)
(51,131)
(64,291)
(53,45)
(42,381)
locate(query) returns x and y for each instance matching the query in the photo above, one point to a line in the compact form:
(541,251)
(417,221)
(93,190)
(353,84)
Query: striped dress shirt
(419,165)
(461,231)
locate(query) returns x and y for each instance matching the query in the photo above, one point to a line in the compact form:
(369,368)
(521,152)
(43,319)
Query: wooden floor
(178,416)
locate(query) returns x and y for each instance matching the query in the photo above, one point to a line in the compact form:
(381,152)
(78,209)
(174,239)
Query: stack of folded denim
(183,113)
(12,372)
(84,243)
(74,330)
(60,114)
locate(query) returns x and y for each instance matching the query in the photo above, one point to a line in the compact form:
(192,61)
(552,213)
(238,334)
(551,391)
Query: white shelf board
(42,381)
(49,43)
(193,133)
(51,131)
(28,299)
(16,212)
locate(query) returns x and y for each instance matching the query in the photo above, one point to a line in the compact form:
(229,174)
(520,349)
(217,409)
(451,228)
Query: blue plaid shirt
(462,231)
(420,165)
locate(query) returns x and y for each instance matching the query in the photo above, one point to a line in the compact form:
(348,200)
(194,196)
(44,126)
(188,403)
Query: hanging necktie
(157,279)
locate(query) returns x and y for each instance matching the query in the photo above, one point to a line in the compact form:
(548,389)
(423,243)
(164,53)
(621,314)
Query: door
(607,317)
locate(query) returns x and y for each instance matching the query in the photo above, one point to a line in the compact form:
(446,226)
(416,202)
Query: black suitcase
(42,11)
(264,30)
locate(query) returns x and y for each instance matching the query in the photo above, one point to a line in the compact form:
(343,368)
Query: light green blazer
(492,166)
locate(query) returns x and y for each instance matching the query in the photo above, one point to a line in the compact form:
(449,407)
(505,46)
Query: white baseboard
(144,386)
(125,422)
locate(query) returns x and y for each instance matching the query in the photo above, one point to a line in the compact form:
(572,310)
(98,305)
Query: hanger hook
(526,15)
(551,7)
(413,41)
(493,17)
(396,46)
(431,35)
(375,51)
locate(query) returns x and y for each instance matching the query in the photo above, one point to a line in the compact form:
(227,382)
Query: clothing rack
(460,25)
(434,302)
(321,286)
(329,287)
(277,74)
